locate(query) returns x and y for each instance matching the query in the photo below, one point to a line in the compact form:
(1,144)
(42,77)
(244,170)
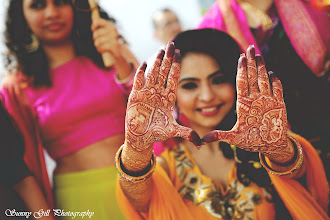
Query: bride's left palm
(262,119)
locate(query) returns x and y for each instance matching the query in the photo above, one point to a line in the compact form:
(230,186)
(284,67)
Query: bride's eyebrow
(188,79)
(218,72)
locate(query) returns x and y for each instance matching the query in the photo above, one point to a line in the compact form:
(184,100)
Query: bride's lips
(209,110)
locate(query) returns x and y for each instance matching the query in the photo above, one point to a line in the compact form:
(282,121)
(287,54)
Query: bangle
(299,159)
(128,79)
(130,178)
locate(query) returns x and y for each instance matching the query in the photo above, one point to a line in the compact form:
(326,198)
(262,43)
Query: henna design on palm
(262,120)
(149,116)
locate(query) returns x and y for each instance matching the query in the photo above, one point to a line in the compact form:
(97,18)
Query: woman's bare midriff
(97,155)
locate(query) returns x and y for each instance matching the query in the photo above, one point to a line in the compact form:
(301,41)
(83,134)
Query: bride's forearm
(135,168)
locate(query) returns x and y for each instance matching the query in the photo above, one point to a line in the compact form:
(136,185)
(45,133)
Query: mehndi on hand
(149,116)
(261,114)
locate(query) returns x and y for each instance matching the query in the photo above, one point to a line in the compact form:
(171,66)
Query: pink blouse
(84,105)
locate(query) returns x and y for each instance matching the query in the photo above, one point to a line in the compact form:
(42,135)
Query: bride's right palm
(149,116)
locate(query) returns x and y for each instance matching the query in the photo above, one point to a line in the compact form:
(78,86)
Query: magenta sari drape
(306,27)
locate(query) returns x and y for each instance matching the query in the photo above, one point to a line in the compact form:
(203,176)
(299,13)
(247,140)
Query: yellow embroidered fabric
(167,203)
(235,201)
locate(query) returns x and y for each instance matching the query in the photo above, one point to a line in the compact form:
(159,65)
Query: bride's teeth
(209,109)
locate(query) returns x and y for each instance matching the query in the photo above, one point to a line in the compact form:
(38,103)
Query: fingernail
(259,59)
(195,139)
(170,49)
(177,56)
(161,54)
(271,73)
(272,76)
(143,66)
(241,62)
(210,137)
(251,52)
(242,55)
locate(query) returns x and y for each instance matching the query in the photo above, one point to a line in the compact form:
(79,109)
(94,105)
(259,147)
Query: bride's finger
(154,71)
(252,71)
(217,135)
(139,77)
(166,65)
(277,86)
(263,80)
(241,79)
(188,134)
(173,77)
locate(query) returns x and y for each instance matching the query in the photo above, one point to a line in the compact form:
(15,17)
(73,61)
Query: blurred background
(134,22)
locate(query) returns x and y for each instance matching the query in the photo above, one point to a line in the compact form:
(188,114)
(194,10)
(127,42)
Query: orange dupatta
(166,203)
(303,204)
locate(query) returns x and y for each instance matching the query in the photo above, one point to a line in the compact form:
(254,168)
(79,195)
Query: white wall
(135,23)
(2,46)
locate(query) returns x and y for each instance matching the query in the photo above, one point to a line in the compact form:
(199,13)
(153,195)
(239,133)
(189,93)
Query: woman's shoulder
(15,82)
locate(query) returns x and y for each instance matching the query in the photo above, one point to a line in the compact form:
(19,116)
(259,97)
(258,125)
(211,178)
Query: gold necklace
(256,17)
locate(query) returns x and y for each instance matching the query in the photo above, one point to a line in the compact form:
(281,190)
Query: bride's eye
(61,2)
(189,86)
(218,79)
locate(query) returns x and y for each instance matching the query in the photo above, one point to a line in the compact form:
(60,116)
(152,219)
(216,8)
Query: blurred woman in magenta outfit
(66,101)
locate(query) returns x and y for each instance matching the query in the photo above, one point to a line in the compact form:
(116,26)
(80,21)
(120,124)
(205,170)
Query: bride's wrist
(287,167)
(283,156)
(135,159)
(133,170)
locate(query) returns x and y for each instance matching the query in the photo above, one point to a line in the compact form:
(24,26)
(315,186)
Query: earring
(34,45)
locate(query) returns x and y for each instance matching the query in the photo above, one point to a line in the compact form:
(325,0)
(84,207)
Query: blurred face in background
(167,26)
(51,21)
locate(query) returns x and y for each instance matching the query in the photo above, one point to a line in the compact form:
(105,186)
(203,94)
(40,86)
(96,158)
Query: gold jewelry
(298,161)
(34,45)
(130,178)
(255,164)
(258,16)
(129,79)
